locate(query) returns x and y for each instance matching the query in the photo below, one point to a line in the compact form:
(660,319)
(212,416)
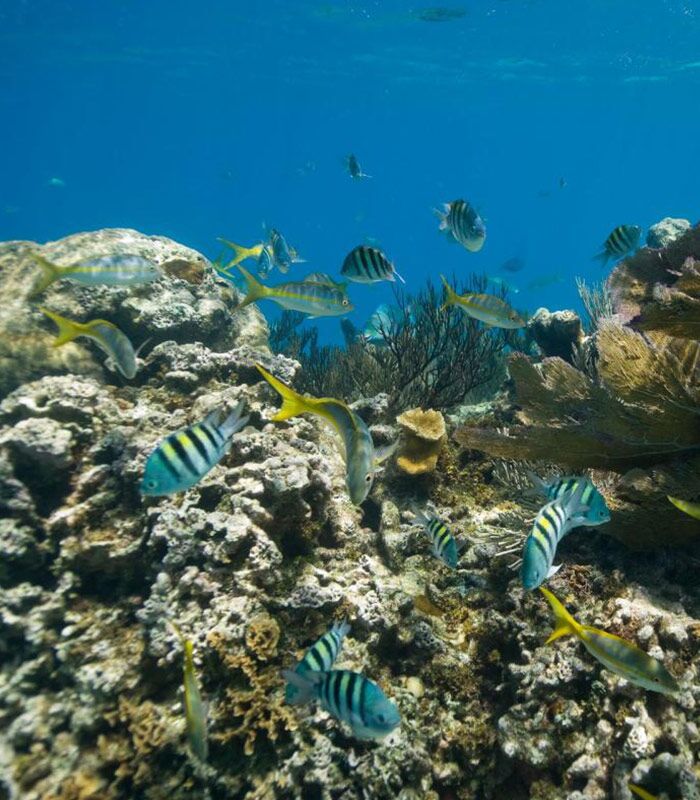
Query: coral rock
(557,333)
(423,434)
(666,231)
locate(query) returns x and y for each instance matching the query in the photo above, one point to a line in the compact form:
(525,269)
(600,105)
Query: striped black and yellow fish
(444,544)
(553,521)
(320,657)
(351,698)
(598,513)
(365,264)
(623,240)
(184,457)
(462,224)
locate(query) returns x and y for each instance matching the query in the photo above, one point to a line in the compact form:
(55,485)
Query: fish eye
(368,477)
(151,484)
(346,301)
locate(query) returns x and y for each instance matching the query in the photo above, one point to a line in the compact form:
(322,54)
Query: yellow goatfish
(486,308)
(692,509)
(614,653)
(361,458)
(195,708)
(641,792)
(115,344)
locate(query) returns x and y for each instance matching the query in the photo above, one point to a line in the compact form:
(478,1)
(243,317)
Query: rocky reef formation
(256,561)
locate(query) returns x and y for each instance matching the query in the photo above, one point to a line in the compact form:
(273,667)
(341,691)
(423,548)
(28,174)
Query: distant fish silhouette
(441,14)
(514,264)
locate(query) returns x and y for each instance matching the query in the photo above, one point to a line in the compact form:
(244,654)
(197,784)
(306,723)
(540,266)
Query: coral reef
(255,562)
(556,333)
(666,231)
(659,290)
(432,357)
(422,437)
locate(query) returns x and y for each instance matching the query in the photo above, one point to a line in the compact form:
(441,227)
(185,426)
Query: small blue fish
(349,697)
(553,521)
(320,657)
(378,326)
(444,544)
(598,513)
(183,458)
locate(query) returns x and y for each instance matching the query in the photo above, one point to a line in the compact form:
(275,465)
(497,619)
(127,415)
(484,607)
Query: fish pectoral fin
(553,570)
(381,454)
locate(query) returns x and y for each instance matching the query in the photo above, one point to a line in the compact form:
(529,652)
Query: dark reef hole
(312,791)
(47,495)
(371,514)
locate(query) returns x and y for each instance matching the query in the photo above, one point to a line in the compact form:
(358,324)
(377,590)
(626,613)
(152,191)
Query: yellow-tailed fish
(120,269)
(614,653)
(195,708)
(485,307)
(241,253)
(641,792)
(314,299)
(115,344)
(692,509)
(362,460)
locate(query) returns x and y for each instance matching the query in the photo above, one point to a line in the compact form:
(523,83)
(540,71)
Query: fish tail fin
(564,623)
(536,481)
(240,253)
(49,273)
(293,403)
(67,329)
(300,686)
(234,422)
(255,290)
(450,294)
(442,216)
(341,629)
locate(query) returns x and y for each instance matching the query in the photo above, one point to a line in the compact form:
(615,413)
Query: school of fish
(183,457)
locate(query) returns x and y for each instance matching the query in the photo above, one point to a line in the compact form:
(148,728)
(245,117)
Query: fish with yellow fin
(195,707)
(362,459)
(110,339)
(691,509)
(117,269)
(486,308)
(641,792)
(614,653)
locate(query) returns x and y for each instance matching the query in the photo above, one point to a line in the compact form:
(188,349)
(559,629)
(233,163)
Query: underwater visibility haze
(349,400)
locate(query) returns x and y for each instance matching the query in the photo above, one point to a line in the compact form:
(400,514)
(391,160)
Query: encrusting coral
(422,436)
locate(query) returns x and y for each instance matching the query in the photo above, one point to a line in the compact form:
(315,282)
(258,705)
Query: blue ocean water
(213,119)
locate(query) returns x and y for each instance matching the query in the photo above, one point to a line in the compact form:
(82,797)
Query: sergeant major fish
(444,544)
(113,270)
(184,457)
(195,708)
(553,521)
(362,459)
(365,264)
(308,297)
(282,254)
(320,657)
(485,307)
(107,336)
(614,653)
(622,240)
(351,698)
(460,221)
(597,513)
